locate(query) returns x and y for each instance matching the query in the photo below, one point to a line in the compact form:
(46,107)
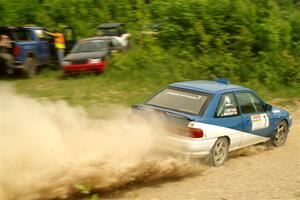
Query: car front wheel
(281,134)
(219,152)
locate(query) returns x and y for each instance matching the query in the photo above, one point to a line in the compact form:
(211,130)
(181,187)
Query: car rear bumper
(195,148)
(85,67)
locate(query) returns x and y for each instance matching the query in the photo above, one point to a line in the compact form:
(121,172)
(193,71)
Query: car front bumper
(190,147)
(85,67)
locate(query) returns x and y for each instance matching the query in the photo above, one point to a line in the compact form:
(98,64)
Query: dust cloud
(47,147)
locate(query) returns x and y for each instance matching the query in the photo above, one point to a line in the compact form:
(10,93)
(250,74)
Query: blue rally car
(208,119)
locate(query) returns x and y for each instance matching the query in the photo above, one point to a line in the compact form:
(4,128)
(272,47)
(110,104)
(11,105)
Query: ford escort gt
(208,119)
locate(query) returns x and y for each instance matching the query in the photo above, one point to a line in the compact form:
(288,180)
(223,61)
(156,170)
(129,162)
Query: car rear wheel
(30,67)
(219,152)
(281,134)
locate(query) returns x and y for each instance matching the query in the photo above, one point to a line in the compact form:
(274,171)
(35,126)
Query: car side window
(227,106)
(249,103)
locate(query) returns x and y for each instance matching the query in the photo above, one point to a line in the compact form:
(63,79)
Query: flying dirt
(48,147)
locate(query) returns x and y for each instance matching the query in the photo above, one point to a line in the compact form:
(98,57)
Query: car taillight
(195,133)
(16,50)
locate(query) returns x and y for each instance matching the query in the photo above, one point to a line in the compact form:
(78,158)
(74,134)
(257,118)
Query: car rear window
(180,100)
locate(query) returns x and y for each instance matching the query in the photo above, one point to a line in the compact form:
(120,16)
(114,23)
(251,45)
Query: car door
(228,117)
(32,35)
(257,122)
(43,45)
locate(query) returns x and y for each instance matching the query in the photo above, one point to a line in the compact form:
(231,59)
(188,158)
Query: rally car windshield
(90,46)
(180,100)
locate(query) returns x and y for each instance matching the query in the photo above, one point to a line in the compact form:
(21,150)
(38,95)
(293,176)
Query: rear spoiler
(142,108)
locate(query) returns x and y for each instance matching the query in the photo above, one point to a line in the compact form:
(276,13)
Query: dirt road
(260,174)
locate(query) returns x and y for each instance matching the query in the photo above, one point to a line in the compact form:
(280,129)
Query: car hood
(279,111)
(85,55)
(281,114)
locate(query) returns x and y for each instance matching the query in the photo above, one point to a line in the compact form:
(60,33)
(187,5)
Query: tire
(280,135)
(97,72)
(219,152)
(30,65)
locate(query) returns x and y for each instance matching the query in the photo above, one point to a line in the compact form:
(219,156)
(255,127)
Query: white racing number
(259,121)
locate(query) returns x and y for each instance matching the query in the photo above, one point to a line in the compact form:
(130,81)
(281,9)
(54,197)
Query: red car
(90,55)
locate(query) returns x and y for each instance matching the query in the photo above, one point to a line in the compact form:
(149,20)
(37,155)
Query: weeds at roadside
(86,190)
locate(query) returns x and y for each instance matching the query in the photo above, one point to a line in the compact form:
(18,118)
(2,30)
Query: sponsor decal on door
(259,121)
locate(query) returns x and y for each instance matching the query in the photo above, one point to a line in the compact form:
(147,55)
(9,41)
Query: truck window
(23,35)
(40,34)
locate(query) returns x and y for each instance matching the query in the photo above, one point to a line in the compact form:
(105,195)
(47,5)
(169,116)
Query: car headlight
(94,60)
(67,63)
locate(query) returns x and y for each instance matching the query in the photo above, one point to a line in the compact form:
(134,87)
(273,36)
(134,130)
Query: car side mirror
(268,107)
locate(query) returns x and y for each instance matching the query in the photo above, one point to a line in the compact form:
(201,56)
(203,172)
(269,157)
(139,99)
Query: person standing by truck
(59,43)
(5,45)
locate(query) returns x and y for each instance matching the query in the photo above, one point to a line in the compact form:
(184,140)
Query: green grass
(90,91)
(97,92)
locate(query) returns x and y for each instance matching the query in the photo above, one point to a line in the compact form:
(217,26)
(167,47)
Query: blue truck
(31,48)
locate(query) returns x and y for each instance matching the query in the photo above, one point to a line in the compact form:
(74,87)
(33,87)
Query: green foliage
(86,190)
(243,40)
(94,197)
(247,41)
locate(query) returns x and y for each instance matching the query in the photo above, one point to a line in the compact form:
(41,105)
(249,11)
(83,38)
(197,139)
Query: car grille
(78,61)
